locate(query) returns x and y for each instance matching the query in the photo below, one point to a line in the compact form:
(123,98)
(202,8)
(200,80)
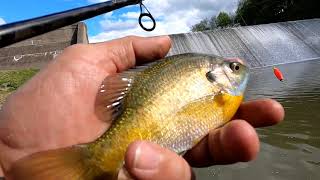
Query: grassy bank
(10,80)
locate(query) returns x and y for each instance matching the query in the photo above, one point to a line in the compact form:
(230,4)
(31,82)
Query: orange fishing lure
(278,73)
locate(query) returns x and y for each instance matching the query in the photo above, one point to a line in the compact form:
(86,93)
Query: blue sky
(16,10)
(173,16)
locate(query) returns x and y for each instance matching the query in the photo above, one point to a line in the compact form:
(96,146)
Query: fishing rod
(18,31)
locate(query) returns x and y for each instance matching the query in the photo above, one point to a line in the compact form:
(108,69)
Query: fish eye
(234,66)
(210,76)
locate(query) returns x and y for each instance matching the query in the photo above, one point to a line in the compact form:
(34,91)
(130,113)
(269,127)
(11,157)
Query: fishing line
(148,15)
(292,62)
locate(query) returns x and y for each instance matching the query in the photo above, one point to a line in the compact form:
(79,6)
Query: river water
(290,150)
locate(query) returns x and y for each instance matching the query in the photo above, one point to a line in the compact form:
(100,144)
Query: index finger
(126,52)
(261,113)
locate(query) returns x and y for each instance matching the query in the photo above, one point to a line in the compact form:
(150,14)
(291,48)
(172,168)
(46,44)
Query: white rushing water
(260,45)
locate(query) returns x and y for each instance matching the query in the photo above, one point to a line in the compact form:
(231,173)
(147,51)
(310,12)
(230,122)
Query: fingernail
(146,157)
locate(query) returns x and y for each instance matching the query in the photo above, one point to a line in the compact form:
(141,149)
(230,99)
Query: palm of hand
(63,98)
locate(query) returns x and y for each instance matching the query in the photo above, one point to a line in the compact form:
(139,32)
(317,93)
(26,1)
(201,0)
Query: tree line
(253,12)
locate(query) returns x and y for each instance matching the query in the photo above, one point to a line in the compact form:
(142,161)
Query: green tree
(201,26)
(223,20)
(213,22)
(252,12)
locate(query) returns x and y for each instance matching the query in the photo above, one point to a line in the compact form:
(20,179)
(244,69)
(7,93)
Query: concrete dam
(38,51)
(259,45)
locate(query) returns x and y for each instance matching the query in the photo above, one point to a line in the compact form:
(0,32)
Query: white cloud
(117,25)
(131,15)
(2,21)
(173,16)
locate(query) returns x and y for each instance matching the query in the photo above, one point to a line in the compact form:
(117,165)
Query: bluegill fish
(173,102)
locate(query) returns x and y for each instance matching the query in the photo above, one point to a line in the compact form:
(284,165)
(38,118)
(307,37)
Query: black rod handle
(18,31)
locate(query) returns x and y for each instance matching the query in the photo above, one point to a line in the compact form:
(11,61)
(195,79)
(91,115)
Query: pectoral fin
(109,100)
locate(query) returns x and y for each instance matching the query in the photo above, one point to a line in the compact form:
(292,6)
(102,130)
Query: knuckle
(161,50)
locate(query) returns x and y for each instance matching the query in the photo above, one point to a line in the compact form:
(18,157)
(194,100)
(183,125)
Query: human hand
(71,82)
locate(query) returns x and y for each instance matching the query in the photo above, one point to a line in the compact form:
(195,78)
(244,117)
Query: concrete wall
(38,51)
(260,45)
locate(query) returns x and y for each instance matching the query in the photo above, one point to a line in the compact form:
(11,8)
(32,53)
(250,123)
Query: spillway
(259,45)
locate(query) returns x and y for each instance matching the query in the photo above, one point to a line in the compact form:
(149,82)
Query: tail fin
(69,163)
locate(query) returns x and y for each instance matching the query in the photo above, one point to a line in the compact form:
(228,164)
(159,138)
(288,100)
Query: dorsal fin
(112,92)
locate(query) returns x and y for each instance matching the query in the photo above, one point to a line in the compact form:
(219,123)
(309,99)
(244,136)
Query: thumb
(145,160)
